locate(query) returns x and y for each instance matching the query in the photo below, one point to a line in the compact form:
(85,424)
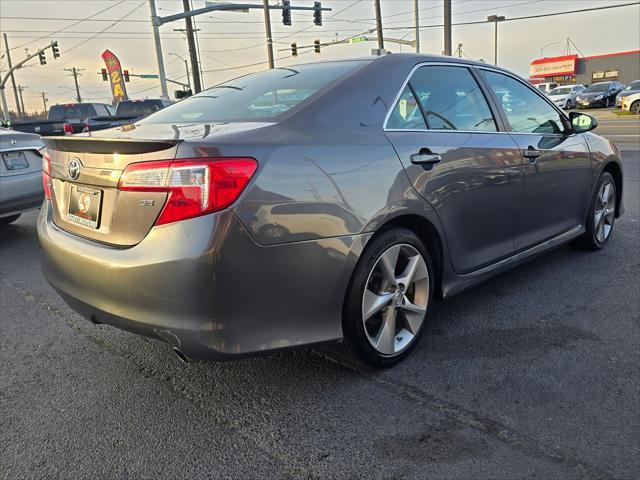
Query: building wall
(628,67)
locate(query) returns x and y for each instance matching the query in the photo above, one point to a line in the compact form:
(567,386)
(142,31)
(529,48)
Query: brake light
(195,187)
(46,172)
(68,129)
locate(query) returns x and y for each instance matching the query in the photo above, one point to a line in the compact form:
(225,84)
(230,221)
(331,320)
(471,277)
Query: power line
(72,25)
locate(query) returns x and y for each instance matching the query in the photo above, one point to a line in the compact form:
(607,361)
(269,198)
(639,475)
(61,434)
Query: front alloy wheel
(389,298)
(602,214)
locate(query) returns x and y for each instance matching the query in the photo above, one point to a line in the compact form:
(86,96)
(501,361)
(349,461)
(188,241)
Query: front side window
(450,99)
(525,110)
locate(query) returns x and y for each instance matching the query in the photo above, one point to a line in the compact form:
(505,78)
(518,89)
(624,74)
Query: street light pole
(267,28)
(495,19)
(20,89)
(186,66)
(416,16)
(44,100)
(547,45)
(379,25)
(13,81)
(156,37)
(447,27)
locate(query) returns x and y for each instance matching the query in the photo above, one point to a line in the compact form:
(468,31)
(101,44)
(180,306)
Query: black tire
(8,220)
(568,105)
(589,240)
(635,107)
(356,342)
(606,102)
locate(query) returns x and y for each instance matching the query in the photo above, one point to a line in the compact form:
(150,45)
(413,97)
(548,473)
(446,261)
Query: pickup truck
(64,119)
(127,111)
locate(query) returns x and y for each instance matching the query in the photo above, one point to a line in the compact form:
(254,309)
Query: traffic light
(294,49)
(125,75)
(105,77)
(317,13)
(286,12)
(316,46)
(55,50)
(43,59)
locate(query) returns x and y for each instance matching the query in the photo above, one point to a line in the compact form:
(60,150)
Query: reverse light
(46,174)
(194,187)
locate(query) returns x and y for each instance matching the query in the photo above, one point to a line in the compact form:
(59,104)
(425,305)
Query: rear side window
(525,110)
(406,115)
(258,96)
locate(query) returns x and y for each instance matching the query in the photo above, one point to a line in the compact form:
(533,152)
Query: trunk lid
(122,218)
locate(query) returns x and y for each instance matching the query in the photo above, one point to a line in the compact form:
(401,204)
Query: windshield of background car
(138,108)
(560,91)
(634,85)
(65,112)
(597,87)
(256,97)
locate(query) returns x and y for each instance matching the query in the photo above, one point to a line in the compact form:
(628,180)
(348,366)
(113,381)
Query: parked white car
(564,96)
(631,103)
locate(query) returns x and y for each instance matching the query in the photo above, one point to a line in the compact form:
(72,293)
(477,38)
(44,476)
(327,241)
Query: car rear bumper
(20,193)
(203,285)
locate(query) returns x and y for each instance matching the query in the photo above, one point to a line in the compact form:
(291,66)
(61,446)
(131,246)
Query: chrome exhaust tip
(181,356)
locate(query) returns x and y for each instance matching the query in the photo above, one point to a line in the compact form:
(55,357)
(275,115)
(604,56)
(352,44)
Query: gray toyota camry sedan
(324,202)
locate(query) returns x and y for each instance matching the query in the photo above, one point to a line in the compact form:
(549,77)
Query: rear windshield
(635,85)
(66,112)
(138,109)
(598,87)
(258,96)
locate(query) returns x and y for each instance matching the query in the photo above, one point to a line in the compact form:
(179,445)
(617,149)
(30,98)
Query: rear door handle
(425,157)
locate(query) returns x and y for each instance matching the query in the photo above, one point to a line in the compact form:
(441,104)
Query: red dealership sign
(114,68)
(550,67)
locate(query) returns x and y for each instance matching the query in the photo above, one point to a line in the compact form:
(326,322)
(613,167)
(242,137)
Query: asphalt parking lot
(534,374)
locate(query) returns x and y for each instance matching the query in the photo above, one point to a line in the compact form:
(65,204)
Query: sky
(233,43)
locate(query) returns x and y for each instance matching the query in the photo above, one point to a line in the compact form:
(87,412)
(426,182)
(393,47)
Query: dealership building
(623,67)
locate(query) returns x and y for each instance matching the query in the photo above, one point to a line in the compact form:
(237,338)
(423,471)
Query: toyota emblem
(74,169)
(13,142)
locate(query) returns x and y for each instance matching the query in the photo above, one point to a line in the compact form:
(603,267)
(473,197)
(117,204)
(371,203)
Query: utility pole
(416,14)
(447,27)
(156,37)
(379,25)
(193,53)
(44,101)
(495,19)
(76,73)
(13,80)
(267,28)
(459,50)
(20,89)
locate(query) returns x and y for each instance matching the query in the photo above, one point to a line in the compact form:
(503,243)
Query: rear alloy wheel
(602,214)
(389,298)
(635,107)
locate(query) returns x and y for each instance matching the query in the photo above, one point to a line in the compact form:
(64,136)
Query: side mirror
(581,122)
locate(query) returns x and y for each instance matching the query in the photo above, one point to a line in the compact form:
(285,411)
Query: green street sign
(148,76)
(359,39)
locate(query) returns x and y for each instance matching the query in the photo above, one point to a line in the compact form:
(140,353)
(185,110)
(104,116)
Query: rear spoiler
(125,146)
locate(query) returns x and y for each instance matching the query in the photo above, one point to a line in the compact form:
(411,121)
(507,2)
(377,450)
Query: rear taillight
(68,129)
(46,174)
(195,187)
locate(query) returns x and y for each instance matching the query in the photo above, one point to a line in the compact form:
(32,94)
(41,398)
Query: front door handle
(425,157)
(532,154)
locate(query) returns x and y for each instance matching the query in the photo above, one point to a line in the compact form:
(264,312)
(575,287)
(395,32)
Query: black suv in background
(601,94)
